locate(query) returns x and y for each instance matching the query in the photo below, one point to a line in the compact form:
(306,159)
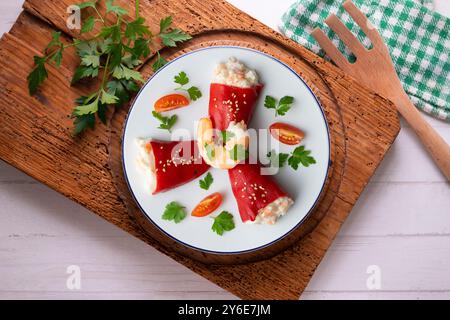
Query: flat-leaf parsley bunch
(111,55)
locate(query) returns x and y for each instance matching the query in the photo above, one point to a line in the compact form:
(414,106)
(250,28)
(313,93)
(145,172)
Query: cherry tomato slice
(171,102)
(287,134)
(208,205)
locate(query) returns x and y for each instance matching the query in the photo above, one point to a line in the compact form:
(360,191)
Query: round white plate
(304,185)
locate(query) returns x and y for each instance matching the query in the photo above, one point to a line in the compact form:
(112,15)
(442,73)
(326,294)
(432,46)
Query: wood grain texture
(43,148)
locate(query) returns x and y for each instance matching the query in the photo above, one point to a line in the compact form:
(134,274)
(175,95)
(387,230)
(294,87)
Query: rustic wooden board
(35,134)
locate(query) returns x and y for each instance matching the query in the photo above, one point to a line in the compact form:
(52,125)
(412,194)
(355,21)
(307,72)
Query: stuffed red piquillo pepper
(233,95)
(168,165)
(258,196)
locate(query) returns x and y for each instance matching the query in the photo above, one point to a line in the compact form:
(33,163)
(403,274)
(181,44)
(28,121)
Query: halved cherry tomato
(171,102)
(287,134)
(208,205)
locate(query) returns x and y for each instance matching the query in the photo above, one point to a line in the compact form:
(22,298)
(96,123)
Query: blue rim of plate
(219,253)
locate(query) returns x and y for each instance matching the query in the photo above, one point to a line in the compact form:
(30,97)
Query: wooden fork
(374,68)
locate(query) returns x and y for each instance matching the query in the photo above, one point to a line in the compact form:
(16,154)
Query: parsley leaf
(282,107)
(277,160)
(194,93)
(141,48)
(81,123)
(58,56)
(136,28)
(55,42)
(182,78)
(110,7)
(301,156)
(174,212)
(88,25)
(171,38)
(270,102)
(166,122)
(286,100)
(238,153)
(101,112)
(122,72)
(159,63)
(88,108)
(165,23)
(121,89)
(206,182)
(131,61)
(91,61)
(112,32)
(38,75)
(223,222)
(84,72)
(108,98)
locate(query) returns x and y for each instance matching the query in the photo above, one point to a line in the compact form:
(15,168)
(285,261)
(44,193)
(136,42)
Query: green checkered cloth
(417,37)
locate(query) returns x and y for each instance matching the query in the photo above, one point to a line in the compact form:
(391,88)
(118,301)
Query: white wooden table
(401,224)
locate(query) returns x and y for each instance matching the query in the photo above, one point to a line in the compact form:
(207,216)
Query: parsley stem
(137,8)
(99,15)
(69,45)
(106,73)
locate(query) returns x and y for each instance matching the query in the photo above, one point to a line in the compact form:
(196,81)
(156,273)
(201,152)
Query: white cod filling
(274,211)
(235,73)
(240,134)
(146,163)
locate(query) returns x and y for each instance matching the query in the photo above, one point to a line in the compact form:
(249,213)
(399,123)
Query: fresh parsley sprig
(182,79)
(223,222)
(112,54)
(206,182)
(281,107)
(53,53)
(166,122)
(174,212)
(301,156)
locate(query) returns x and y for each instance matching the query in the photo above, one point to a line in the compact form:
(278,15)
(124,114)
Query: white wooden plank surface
(401,224)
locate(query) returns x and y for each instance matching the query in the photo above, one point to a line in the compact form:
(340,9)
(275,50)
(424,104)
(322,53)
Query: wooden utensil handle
(435,144)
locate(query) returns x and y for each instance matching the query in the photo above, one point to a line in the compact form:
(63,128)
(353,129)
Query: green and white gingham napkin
(417,37)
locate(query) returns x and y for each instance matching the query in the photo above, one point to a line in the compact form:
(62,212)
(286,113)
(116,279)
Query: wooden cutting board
(35,134)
